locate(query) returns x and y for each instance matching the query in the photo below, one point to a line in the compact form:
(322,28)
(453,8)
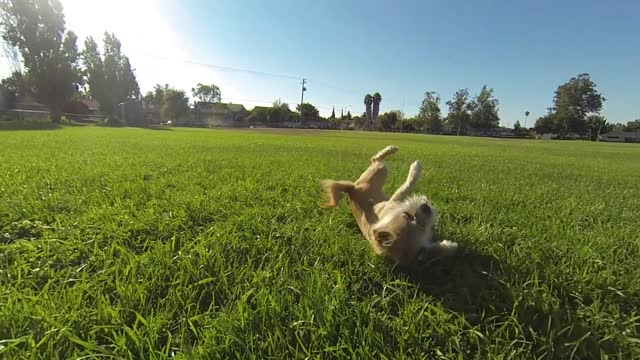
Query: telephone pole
(304,81)
(302,98)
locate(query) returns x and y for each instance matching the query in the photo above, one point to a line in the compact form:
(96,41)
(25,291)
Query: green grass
(135,243)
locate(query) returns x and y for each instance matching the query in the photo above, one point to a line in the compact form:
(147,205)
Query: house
(621,136)
(219,114)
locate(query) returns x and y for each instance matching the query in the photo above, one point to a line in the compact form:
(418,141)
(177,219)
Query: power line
(226,68)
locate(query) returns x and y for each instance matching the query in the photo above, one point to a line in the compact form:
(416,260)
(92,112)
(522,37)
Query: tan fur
(399,227)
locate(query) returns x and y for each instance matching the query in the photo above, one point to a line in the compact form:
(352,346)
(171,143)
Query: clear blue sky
(524,50)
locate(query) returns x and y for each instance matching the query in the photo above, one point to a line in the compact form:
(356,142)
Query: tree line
(50,67)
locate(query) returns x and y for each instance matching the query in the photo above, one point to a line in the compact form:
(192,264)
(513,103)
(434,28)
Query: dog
(400,227)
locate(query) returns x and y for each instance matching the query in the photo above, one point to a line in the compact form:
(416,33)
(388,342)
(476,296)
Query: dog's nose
(426,209)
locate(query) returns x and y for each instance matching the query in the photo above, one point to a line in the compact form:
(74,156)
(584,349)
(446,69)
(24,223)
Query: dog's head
(404,231)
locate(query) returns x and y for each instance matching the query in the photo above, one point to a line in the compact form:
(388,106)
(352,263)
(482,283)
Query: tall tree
(484,110)
(333,113)
(430,113)
(94,70)
(458,116)
(368,101)
(348,114)
(307,111)
(111,79)
(574,101)
(49,52)
(342,114)
(207,93)
(377,98)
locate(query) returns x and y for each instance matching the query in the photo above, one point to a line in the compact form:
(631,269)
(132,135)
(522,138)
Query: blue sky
(523,50)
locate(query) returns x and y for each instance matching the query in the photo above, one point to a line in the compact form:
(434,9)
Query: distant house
(621,136)
(220,114)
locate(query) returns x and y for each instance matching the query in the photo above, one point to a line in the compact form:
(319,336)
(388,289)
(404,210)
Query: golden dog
(399,228)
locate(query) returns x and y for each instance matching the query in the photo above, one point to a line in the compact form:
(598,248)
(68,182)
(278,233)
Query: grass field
(138,243)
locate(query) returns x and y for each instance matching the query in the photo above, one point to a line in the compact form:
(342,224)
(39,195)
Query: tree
(207,93)
(175,104)
(377,98)
(526,117)
(518,130)
(546,124)
(430,114)
(484,110)
(49,52)
(111,80)
(348,114)
(596,125)
(368,101)
(458,116)
(573,101)
(389,120)
(307,111)
(333,113)
(342,114)
(279,112)
(632,126)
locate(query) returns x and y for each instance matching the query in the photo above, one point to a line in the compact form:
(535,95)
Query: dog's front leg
(412,179)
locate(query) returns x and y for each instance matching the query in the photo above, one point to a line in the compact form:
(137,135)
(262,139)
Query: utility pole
(302,97)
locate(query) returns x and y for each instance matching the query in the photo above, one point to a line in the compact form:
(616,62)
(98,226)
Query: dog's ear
(384,238)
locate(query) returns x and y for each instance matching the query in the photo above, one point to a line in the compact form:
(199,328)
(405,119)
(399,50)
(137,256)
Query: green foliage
(459,116)
(349,115)
(307,112)
(484,110)
(430,114)
(376,98)
(389,120)
(175,104)
(279,112)
(518,130)
(199,244)
(368,102)
(49,52)
(596,125)
(547,124)
(207,93)
(111,80)
(573,101)
(633,126)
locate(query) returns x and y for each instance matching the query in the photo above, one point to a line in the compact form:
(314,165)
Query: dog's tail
(334,190)
(389,150)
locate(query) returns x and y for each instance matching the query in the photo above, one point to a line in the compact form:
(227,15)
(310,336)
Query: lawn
(198,243)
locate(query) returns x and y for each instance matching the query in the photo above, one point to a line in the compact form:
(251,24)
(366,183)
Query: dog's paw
(391,149)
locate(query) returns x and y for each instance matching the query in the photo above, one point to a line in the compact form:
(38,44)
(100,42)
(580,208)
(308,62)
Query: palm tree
(368,101)
(377,98)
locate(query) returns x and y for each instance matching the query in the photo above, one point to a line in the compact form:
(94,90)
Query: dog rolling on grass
(399,228)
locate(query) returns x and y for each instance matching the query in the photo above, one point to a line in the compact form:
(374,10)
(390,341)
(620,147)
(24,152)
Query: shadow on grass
(477,287)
